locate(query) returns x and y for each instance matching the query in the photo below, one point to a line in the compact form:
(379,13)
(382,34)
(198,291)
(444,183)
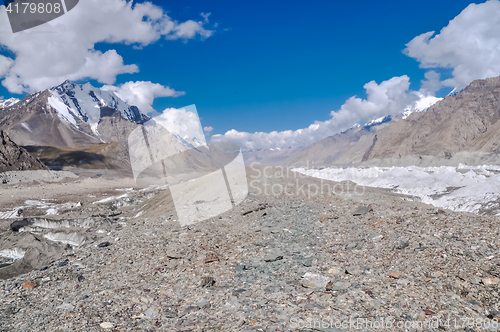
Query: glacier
(463,188)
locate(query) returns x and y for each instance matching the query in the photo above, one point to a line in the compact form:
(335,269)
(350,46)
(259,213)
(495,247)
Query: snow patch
(464,188)
(109,199)
(14,253)
(25,126)
(73,239)
(62,110)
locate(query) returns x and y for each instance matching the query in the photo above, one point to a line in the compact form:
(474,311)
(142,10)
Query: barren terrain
(286,259)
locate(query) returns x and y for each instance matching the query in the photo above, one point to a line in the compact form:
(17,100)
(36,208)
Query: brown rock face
(463,127)
(16,158)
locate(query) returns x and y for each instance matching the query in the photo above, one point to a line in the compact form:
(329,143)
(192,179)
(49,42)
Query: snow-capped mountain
(70,115)
(8,102)
(421,105)
(75,102)
(94,124)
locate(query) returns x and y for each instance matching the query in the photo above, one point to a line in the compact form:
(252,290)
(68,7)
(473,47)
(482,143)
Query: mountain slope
(8,102)
(16,158)
(343,149)
(459,129)
(70,115)
(78,122)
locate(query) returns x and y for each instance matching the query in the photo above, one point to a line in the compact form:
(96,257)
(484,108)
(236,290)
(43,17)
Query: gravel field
(299,254)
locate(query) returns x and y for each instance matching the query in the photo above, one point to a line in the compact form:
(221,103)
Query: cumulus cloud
(469,45)
(142,94)
(208,129)
(387,98)
(65,48)
(183,122)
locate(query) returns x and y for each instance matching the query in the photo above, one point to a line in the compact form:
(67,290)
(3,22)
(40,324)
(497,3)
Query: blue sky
(282,65)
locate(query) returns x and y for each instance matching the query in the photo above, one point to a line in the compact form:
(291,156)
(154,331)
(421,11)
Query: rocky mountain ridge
(16,158)
(461,128)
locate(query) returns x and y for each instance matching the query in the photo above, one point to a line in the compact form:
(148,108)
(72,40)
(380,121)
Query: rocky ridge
(16,158)
(461,128)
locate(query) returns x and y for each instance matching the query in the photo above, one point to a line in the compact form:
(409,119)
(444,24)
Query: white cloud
(142,94)
(183,122)
(188,30)
(5,64)
(469,45)
(387,98)
(65,48)
(208,129)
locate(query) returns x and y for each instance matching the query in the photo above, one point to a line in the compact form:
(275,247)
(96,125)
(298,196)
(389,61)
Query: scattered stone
(169,314)
(173,255)
(66,307)
(402,245)
(63,263)
(403,282)
(106,325)
(490,281)
(29,285)
(312,280)
(368,292)
(336,286)
(260,208)
(104,244)
(361,210)
(204,304)
(394,275)
(354,270)
(18,224)
(207,282)
(272,257)
(261,270)
(212,258)
(152,313)
(326,217)
(334,270)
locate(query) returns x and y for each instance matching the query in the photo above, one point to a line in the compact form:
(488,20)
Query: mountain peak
(83,102)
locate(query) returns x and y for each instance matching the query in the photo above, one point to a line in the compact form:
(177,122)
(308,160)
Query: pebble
(490,281)
(106,325)
(334,270)
(312,280)
(273,257)
(395,275)
(361,210)
(29,285)
(66,306)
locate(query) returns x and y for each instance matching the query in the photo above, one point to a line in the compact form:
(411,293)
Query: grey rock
(313,280)
(361,210)
(273,257)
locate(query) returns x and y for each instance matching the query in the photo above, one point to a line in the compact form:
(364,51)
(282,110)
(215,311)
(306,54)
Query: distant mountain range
(461,128)
(75,125)
(69,115)
(80,125)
